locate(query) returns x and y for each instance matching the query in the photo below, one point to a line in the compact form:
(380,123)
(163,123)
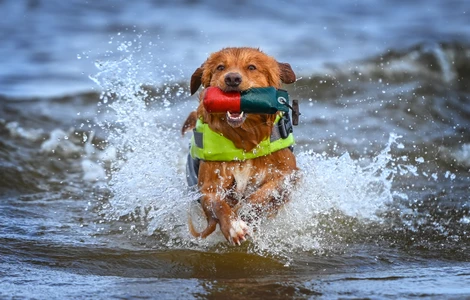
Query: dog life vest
(207,144)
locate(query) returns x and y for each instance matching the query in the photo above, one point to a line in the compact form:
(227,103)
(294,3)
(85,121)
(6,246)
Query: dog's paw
(237,232)
(234,230)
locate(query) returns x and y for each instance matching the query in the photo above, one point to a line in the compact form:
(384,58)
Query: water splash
(146,178)
(333,190)
(148,182)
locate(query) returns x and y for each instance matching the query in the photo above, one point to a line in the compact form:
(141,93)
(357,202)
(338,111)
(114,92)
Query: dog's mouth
(231,89)
(235,119)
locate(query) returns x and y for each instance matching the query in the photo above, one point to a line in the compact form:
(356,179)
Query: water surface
(93,196)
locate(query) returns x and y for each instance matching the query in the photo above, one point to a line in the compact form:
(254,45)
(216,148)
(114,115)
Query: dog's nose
(233,79)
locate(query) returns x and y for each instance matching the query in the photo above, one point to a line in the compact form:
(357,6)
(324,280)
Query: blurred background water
(93,199)
(44,41)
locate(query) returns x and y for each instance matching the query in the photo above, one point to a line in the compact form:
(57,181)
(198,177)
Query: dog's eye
(251,67)
(220,67)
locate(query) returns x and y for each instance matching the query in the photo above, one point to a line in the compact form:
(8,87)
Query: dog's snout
(233,79)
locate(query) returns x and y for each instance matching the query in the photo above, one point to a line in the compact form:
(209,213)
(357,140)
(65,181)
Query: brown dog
(260,182)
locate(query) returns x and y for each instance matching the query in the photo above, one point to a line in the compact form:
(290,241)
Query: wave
(126,140)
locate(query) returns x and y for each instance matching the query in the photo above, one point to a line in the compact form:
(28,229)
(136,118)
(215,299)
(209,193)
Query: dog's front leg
(270,196)
(232,227)
(215,180)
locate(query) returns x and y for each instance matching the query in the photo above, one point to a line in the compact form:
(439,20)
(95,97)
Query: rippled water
(93,196)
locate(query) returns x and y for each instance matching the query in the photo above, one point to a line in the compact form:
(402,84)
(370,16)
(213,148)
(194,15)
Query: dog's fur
(259,182)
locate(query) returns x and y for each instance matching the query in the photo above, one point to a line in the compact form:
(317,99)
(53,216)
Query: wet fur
(259,182)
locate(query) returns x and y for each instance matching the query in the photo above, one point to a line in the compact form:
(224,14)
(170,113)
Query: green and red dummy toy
(267,100)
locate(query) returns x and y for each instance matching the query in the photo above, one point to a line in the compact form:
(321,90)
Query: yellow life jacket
(209,145)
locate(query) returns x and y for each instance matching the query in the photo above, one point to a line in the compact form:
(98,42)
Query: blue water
(49,47)
(93,199)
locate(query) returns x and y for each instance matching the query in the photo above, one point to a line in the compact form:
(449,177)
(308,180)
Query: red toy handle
(217,101)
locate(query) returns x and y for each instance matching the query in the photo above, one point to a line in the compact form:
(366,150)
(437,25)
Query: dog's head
(239,69)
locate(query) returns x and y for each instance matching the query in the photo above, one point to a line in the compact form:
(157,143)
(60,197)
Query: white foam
(58,141)
(92,170)
(462,155)
(26,133)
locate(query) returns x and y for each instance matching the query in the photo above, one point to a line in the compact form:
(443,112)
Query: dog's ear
(196,79)
(287,74)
